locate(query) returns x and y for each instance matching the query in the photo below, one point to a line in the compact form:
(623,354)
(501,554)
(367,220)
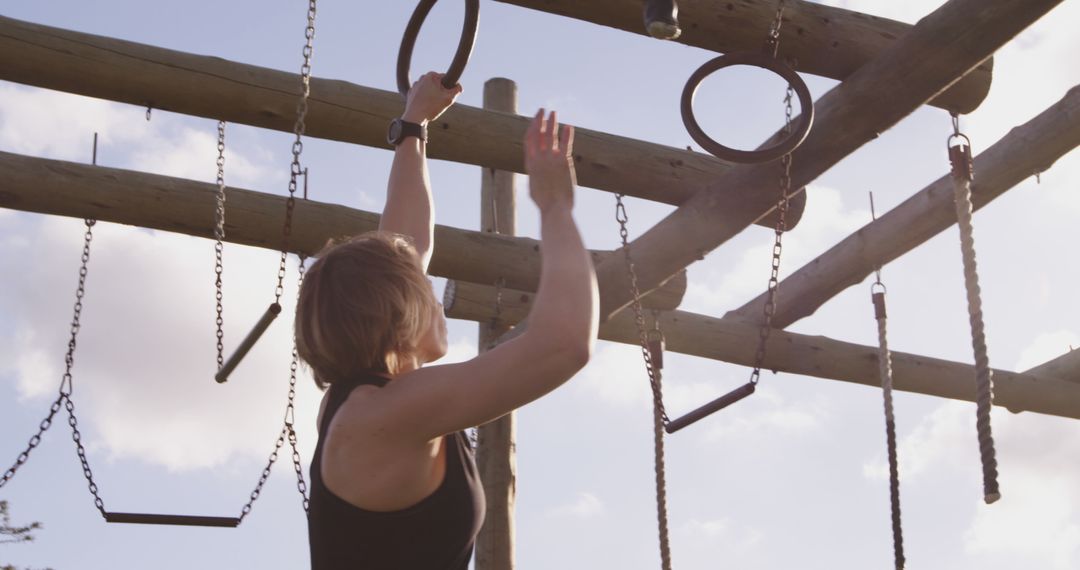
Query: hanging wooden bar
(219,89)
(255,219)
(734,341)
(942,47)
(1027,149)
(827,41)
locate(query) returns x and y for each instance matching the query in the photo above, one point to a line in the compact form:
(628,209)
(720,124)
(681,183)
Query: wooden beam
(826,41)
(496,456)
(215,88)
(1065,367)
(940,48)
(733,341)
(255,219)
(1030,148)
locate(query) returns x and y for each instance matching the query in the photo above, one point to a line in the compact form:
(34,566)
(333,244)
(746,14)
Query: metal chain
(962,173)
(769,308)
(219,246)
(660,417)
(66,384)
(297,147)
(772,41)
(287,431)
(69,360)
(290,409)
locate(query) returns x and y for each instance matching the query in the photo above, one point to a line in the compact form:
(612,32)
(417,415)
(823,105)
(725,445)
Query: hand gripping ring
(464,50)
(764,61)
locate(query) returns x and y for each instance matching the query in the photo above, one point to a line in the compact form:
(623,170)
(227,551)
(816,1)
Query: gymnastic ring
(764,61)
(464,49)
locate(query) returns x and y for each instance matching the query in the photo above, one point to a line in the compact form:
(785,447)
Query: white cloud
(825,222)
(585,506)
(1038,517)
(145,359)
(50,124)
(1046,347)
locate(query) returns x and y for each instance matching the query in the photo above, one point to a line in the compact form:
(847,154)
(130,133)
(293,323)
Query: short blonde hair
(364,305)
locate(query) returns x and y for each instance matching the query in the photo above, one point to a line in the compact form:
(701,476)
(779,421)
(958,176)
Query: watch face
(394,133)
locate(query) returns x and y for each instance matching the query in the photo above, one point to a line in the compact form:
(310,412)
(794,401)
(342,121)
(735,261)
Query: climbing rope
(959,147)
(877,296)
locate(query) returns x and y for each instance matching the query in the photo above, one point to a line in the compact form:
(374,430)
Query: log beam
(1026,149)
(826,41)
(939,49)
(255,219)
(215,88)
(733,341)
(1065,367)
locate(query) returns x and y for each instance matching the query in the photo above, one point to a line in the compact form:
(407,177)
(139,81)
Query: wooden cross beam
(734,341)
(218,89)
(255,219)
(826,41)
(1065,367)
(1027,149)
(942,47)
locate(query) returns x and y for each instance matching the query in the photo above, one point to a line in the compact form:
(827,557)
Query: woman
(393,481)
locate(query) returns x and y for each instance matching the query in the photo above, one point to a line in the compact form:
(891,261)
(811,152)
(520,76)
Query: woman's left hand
(428,98)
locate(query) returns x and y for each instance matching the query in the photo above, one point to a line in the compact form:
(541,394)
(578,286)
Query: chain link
(660,417)
(66,384)
(772,40)
(639,314)
(297,147)
(219,246)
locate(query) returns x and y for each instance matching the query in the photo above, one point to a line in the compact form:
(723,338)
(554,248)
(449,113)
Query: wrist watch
(400,130)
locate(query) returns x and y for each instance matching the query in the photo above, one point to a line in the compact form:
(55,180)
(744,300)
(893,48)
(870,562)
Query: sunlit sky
(793,477)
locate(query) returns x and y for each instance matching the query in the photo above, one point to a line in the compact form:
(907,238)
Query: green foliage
(12,534)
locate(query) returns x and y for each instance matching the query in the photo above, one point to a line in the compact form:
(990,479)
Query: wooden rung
(183,520)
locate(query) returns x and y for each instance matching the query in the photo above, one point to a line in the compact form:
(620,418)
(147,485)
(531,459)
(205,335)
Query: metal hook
(93,159)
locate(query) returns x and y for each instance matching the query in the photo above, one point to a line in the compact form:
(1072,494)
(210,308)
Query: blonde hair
(364,305)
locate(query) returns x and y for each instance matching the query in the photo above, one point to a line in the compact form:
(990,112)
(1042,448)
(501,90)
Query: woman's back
(435,533)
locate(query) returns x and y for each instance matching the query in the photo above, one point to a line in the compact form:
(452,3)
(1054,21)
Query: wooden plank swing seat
(182,520)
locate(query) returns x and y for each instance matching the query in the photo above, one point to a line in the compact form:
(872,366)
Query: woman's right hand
(549,162)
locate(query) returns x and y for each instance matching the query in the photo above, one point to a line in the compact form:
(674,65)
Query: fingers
(550,136)
(566,140)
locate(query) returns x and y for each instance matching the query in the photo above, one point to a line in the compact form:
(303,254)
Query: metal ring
(464,49)
(764,61)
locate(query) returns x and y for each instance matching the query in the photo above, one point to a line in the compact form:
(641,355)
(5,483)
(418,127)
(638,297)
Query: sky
(793,477)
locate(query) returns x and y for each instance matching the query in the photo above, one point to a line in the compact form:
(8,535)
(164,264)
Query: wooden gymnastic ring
(464,50)
(764,61)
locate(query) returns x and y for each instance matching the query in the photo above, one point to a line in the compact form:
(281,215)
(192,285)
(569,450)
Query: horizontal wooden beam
(215,88)
(827,41)
(1030,148)
(940,48)
(1065,367)
(255,219)
(733,341)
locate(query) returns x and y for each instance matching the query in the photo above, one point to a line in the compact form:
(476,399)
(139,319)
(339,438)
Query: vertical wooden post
(495,454)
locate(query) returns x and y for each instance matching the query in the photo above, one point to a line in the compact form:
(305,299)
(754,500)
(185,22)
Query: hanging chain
(297,147)
(287,431)
(772,41)
(769,308)
(660,417)
(219,246)
(290,409)
(66,382)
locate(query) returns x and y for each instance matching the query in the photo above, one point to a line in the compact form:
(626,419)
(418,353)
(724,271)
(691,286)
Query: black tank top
(438,533)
